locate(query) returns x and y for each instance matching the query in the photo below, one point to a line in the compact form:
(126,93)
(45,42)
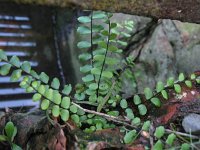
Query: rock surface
(191,123)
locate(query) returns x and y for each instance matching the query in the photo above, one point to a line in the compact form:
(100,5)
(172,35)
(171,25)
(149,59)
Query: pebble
(191,123)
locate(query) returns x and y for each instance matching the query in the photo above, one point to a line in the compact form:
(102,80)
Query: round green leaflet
(64,114)
(123,104)
(65,103)
(158,145)
(45,104)
(148,93)
(75,118)
(37,97)
(5,69)
(160,131)
(170,139)
(142,109)
(130,136)
(73,109)
(55,110)
(136,100)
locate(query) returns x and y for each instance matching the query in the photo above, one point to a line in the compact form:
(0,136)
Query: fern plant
(100,91)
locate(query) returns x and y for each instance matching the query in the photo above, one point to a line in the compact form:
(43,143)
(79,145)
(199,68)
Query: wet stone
(191,123)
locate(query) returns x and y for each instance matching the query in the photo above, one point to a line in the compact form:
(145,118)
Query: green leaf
(85,68)
(188,83)
(122,43)
(10,130)
(181,77)
(99,57)
(49,94)
(103,86)
(142,109)
(3,138)
(35,84)
(123,104)
(129,113)
(159,87)
(55,83)
(24,84)
(177,88)
(93,86)
(5,69)
(170,139)
(185,146)
(93,98)
(26,66)
(105,32)
(98,15)
(95,29)
(95,71)
(170,81)
(158,145)
(107,74)
(15,61)
(75,118)
(113,25)
(103,44)
(65,103)
(34,74)
(64,114)
(84,56)
(79,88)
(79,96)
(164,94)
(136,121)
(45,104)
(15,147)
(84,19)
(198,81)
(73,109)
(83,30)
(193,76)
(113,36)
(113,113)
(80,112)
(130,136)
(44,77)
(156,101)
(112,48)
(41,89)
(37,97)
(84,44)
(16,75)
(67,89)
(137,100)
(111,61)
(148,93)
(29,89)
(55,110)
(160,131)
(56,97)
(88,78)
(126,34)
(3,55)
(146,125)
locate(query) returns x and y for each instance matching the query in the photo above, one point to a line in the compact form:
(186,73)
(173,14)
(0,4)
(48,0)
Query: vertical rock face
(172,47)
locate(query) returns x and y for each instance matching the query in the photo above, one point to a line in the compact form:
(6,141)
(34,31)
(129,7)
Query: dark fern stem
(91,37)
(108,42)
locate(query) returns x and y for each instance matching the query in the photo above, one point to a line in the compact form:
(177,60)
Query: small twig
(108,117)
(182,134)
